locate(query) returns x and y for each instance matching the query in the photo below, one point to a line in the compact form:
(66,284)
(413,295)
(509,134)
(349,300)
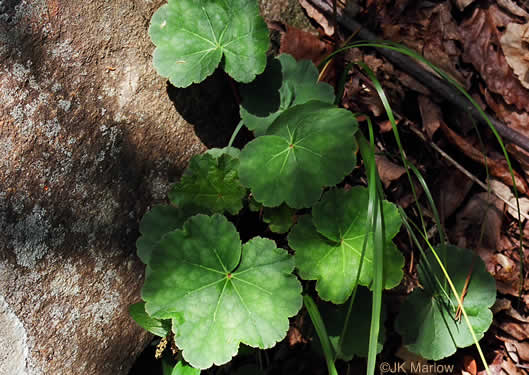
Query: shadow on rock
(212,109)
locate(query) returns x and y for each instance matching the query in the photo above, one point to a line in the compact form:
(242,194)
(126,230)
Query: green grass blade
(375,226)
(321,331)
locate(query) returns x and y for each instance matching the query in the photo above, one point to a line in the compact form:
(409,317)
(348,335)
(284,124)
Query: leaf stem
(235,132)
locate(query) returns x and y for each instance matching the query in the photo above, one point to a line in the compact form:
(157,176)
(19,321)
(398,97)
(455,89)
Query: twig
(428,79)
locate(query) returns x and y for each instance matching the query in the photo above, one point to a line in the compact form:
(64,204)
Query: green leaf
(356,340)
(193,36)
(308,147)
(157,327)
(279,219)
(284,83)
(433,332)
(217,297)
(329,244)
(211,181)
(218,152)
(158,221)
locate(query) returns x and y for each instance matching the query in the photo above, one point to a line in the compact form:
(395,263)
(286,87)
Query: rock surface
(89,139)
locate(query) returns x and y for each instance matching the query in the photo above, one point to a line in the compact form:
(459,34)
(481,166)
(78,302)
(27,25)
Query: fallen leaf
(482,49)
(306,46)
(387,170)
(479,223)
(514,43)
(431,115)
(497,167)
(452,187)
(318,17)
(469,364)
(513,8)
(505,192)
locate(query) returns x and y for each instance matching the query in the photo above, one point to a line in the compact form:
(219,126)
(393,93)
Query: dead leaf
(497,167)
(479,223)
(515,46)
(505,192)
(303,45)
(318,17)
(462,4)
(469,364)
(431,115)
(295,337)
(482,49)
(512,7)
(387,170)
(452,187)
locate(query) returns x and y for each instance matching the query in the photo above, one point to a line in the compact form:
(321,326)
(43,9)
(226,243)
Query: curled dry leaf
(515,46)
(482,49)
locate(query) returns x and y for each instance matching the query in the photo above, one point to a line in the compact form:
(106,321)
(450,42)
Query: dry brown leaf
(431,115)
(469,364)
(523,350)
(512,7)
(505,192)
(497,167)
(452,189)
(387,170)
(515,46)
(432,32)
(462,4)
(482,49)
(303,45)
(318,17)
(483,212)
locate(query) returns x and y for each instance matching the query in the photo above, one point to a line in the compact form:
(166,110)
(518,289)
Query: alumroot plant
(212,292)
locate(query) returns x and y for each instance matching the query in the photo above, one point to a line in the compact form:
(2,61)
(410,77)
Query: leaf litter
(485,49)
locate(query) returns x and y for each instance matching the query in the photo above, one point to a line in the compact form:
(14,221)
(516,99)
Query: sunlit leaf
(192,37)
(308,147)
(220,293)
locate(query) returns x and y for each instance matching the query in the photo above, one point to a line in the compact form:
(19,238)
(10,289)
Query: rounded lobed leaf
(434,333)
(216,298)
(329,244)
(157,327)
(157,222)
(211,181)
(193,36)
(279,219)
(285,83)
(308,147)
